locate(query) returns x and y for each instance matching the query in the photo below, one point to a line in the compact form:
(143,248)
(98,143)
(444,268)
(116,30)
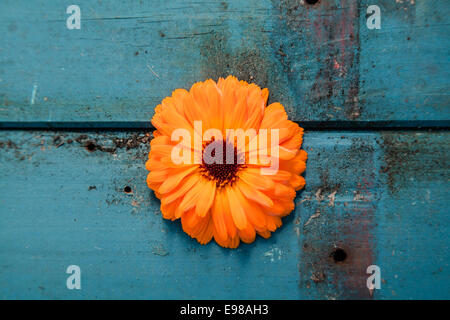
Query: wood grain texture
(320,61)
(382,197)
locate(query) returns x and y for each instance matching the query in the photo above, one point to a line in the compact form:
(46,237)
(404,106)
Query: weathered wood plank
(381,197)
(320,61)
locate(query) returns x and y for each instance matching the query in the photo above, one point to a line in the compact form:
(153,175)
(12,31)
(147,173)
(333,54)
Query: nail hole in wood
(338,255)
(90,146)
(127,189)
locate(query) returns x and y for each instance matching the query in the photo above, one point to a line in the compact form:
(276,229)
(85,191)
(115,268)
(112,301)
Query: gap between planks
(398,125)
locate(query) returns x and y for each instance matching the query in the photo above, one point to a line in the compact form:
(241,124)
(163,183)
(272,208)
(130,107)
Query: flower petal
(218,215)
(174,179)
(182,189)
(254,194)
(253,178)
(237,212)
(205,198)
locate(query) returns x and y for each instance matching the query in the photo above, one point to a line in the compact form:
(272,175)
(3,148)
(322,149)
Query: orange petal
(273,223)
(157,176)
(168,210)
(265,234)
(218,215)
(248,234)
(205,198)
(191,197)
(274,115)
(207,233)
(252,177)
(237,212)
(174,179)
(297,182)
(254,194)
(231,227)
(182,189)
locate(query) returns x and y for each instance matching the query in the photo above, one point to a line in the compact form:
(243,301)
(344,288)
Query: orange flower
(230,201)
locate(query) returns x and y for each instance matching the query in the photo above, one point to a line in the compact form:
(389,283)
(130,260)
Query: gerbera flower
(228,201)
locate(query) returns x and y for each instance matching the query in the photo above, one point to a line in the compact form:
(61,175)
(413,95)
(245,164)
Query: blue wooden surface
(382,195)
(63,205)
(320,61)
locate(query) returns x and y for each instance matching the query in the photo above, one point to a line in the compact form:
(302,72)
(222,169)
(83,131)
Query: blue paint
(49,219)
(321,62)
(381,196)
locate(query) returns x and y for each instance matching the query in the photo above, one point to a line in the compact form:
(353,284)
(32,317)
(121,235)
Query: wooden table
(75,106)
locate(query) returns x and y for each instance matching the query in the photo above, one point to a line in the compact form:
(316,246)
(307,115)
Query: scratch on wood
(319,196)
(33,94)
(314,216)
(151,69)
(332,198)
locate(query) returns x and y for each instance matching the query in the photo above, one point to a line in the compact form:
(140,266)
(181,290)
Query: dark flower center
(219,170)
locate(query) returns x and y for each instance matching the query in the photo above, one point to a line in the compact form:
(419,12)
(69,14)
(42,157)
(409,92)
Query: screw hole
(90,146)
(311,1)
(338,255)
(127,189)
